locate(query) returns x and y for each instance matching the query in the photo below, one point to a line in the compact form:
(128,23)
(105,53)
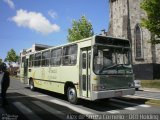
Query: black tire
(31,85)
(72,95)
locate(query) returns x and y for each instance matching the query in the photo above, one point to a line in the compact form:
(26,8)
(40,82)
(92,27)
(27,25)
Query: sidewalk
(150,89)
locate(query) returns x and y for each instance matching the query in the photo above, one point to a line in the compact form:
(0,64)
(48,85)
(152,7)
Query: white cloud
(10,3)
(52,14)
(35,21)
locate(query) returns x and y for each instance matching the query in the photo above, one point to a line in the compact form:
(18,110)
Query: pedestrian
(4,83)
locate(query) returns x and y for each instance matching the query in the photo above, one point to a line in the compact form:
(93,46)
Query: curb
(151,90)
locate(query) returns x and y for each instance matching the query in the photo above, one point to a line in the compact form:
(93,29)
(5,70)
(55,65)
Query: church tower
(125,19)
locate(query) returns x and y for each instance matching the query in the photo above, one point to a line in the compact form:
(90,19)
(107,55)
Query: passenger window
(56,56)
(31,59)
(70,55)
(37,59)
(45,58)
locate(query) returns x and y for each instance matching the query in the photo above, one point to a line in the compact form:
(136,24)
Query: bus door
(85,72)
(26,71)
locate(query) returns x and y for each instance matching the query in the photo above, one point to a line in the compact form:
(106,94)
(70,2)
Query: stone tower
(125,18)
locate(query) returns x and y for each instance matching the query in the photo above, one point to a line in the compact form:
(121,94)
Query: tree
(11,56)
(152,22)
(80,29)
(0,60)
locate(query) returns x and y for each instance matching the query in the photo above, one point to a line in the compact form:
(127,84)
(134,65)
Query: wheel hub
(71,94)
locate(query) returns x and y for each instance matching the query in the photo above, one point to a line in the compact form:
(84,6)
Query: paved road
(148,94)
(42,105)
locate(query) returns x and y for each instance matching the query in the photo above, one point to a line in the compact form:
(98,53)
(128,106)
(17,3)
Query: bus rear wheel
(31,85)
(72,95)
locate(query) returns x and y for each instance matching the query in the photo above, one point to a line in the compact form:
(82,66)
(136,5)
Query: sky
(26,22)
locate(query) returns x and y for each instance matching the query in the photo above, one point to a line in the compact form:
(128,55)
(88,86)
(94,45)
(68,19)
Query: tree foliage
(80,29)
(152,22)
(11,56)
(0,61)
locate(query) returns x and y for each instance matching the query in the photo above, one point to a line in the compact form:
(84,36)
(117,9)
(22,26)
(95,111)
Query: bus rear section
(112,74)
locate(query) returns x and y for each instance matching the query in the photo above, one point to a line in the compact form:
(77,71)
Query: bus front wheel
(31,85)
(72,95)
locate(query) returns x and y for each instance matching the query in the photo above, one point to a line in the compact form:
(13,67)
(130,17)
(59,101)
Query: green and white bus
(93,68)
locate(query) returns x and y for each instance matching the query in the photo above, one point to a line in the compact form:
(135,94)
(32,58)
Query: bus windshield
(112,60)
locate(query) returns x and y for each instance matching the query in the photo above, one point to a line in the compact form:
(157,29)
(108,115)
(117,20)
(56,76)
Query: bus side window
(45,58)
(31,58)
(56,56)
(37,59)
(70,55)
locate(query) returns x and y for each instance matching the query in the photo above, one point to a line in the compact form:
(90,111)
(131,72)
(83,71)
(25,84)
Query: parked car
(137,84)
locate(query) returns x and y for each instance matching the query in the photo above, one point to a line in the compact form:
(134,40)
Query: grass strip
(150,83)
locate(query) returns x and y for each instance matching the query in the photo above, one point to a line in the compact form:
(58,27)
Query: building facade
(35,47)
(125,19)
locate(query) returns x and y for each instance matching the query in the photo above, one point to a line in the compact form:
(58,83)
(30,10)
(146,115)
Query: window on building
(56,56)
(31,58)
(45,58)
(37,59)
(70,55)
(138,42)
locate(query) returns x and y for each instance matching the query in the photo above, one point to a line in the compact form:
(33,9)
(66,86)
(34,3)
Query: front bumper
(112,93)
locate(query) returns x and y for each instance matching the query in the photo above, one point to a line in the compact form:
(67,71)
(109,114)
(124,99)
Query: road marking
(134,104)
(48,108)
(143,105)
(130,108)
(38,95)
(27,96)
(138,96)
(75,108)
(120,101)
(123,107)
(113,111)
(26,111)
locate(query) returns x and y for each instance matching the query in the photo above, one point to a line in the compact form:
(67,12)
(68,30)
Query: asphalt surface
(43,105)
(148,94)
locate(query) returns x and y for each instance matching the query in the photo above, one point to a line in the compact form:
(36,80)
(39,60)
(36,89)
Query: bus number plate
(118,93)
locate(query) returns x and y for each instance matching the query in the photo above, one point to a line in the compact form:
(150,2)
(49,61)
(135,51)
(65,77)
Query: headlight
(99,87)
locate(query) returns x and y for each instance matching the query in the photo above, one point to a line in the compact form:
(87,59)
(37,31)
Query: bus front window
(111,60)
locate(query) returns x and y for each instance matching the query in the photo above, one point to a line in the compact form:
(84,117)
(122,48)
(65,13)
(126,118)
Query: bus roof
(78,41)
